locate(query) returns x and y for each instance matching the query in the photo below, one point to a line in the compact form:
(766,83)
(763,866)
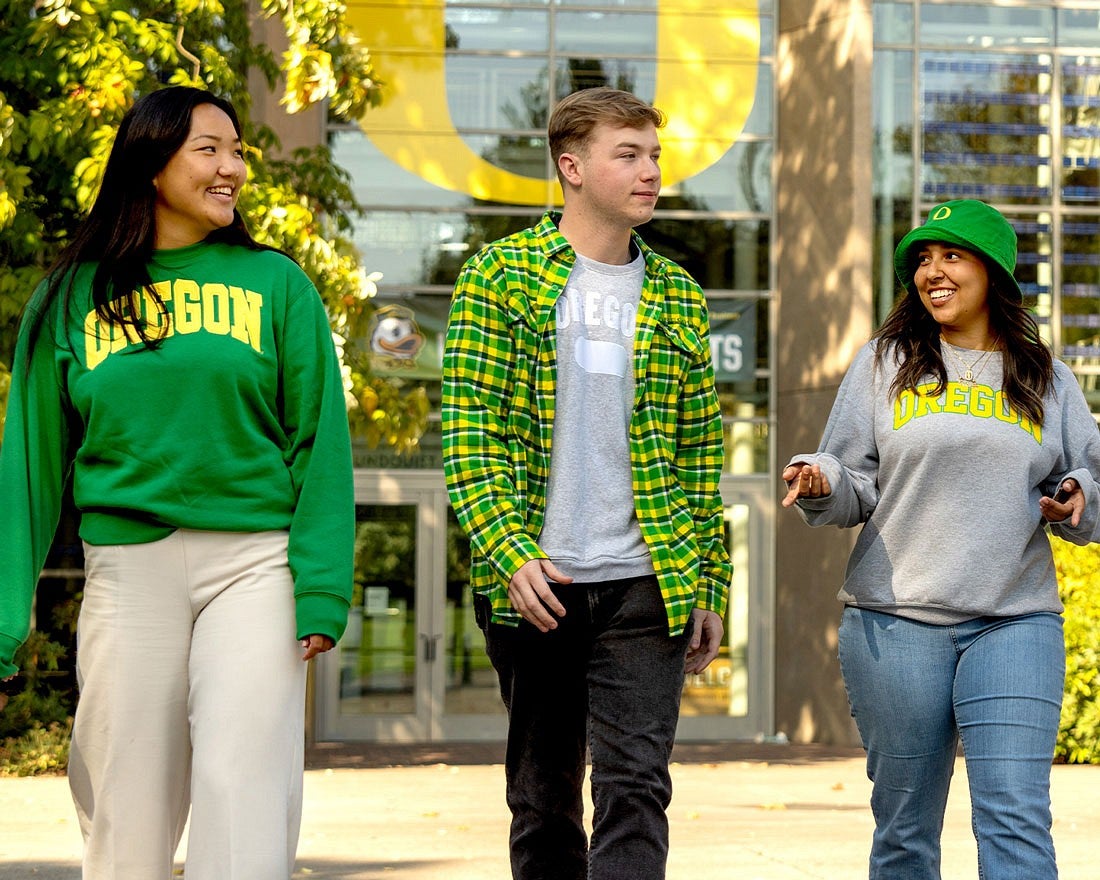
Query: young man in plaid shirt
(583,447)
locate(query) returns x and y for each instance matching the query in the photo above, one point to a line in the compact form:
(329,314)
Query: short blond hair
(576,116)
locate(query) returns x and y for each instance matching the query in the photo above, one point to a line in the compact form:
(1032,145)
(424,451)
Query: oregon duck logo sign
(707,109)
(394,336)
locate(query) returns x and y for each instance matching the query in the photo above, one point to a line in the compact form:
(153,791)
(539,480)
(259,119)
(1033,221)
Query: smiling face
(197,189)
(953,284)
(616,177)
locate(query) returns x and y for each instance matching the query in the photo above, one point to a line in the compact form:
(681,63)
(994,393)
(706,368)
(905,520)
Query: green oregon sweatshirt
(236,423)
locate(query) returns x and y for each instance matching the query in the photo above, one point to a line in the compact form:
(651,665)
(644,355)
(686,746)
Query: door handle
(431,646)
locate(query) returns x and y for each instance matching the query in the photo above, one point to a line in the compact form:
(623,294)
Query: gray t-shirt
(591,530)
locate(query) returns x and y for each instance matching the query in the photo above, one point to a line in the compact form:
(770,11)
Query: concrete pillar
(304,129)
(825,313)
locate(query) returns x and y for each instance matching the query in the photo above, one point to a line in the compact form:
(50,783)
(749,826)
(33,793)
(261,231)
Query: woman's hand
(315,645)
(1057,511)
(804,481)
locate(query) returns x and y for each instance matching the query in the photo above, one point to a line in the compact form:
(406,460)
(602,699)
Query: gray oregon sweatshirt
(591,530)
(947,489)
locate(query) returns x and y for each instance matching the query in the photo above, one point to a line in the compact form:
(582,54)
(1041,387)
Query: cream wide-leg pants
(192,692)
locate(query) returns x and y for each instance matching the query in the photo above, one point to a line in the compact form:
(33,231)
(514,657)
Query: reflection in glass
(740,181)
(719,254)
(1079,27)
(761,117)
(723,687)
(521,154)
(986,128)
(1033,266)
(497,29)
(1081,130)
(637,75)
(471,686)
(468,234)
(893,22)
(497,93)
(377,181)
(1081,294)
(420,247)
(986,26)
(606,33)
(377,654)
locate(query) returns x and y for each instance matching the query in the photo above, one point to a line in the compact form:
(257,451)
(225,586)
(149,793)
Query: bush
(36,708)
(33,699)
(38,751)
(1079,585)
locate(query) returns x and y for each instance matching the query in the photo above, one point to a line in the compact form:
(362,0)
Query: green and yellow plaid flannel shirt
(499,371)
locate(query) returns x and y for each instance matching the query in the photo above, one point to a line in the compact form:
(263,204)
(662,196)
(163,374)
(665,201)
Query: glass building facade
(1000,103)
(987,100)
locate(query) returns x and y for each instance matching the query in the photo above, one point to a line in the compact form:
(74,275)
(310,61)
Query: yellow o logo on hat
(413,127)
(941,213)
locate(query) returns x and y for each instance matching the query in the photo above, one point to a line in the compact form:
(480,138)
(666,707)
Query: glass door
(732,698)
(467,692)
(411,666)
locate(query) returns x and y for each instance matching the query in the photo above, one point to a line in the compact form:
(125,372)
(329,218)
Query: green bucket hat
(969,224)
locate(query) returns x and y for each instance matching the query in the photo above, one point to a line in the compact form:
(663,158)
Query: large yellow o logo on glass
(707,109)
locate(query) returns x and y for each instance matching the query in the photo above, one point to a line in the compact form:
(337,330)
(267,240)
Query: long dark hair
(914,336)
(119,232)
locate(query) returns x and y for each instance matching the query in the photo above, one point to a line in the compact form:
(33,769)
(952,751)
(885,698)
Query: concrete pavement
(744,811)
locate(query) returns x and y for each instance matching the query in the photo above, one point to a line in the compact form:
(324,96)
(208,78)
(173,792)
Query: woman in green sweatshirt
(184,379)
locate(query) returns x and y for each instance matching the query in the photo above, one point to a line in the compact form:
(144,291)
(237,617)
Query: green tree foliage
(69,70)
(1078,576)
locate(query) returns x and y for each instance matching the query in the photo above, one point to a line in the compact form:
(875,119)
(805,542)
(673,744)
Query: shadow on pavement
(40,870)
(337,755)
(342,869)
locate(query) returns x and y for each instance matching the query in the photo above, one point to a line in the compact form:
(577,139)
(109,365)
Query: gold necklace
(967,371)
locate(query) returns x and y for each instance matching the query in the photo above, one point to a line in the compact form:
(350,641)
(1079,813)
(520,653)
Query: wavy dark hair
(914,336)
(119,232)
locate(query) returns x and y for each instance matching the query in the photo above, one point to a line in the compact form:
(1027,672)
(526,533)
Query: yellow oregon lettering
(926,403)
(188,303)
(156,318)
(904,408)
(1003,410)
(97,340)
(941,213)
(215,308)
(981,401)
(707,108)
(247,306)
(955,400)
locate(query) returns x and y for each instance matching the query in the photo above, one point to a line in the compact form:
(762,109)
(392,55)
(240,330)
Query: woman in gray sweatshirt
(954,440)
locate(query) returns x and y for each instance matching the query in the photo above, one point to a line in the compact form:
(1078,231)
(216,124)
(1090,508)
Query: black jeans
(609,677)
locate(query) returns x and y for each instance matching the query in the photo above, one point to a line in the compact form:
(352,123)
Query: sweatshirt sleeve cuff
(322,614)
(8,647)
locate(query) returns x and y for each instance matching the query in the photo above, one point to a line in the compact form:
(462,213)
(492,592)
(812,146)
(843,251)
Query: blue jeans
(608,677)
(915,690)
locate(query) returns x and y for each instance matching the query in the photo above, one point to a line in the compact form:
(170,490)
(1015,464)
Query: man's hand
(532,597)
(706,639)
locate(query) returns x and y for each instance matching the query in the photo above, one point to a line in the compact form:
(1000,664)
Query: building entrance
(411,666)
